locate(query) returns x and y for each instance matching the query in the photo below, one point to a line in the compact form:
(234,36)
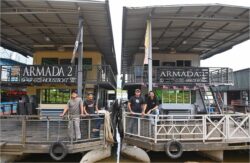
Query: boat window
(171,64)
(156,62)
(176,96)
(86,62)
(65,61)
(49,61)
(55,96)
(183,63)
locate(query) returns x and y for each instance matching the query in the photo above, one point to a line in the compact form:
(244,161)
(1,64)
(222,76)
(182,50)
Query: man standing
(136,104)
(75,109)
(90,107)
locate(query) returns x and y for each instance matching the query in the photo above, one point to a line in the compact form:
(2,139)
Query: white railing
(226,128)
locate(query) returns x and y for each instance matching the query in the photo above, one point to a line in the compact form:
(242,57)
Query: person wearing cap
(136,104)
(74,108)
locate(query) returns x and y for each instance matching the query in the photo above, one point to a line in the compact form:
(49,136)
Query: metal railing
(91,74)
(37,129)
(221,76)
(225,128)
(139,75)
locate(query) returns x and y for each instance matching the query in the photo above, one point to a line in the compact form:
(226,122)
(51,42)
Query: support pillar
(80,57)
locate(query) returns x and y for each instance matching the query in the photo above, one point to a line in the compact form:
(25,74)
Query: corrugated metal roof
(202,29)
(28,26)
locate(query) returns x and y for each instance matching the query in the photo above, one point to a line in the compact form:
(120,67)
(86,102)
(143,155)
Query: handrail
(221,127)
(37,129)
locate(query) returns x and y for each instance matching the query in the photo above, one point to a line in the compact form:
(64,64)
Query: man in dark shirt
(136,104)
(90,107)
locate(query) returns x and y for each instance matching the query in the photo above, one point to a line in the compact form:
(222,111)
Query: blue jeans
(154,112)
(97,124)
(132,124)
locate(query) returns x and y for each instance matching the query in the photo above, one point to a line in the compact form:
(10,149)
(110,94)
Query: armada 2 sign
(182,75)
(48,74)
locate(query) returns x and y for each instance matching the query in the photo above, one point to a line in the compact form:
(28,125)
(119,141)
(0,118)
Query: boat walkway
(194,132)
(35,134)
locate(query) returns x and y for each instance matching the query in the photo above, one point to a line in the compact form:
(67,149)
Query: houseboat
(173,40)
(71,43)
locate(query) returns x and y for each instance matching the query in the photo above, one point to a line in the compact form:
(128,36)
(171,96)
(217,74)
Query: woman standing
(152,104)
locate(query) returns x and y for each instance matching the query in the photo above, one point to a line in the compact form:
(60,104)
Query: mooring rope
(107,128)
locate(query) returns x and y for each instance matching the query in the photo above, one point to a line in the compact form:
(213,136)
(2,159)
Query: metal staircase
(218,98)
(211,103)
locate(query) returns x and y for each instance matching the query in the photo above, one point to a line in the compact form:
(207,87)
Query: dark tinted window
(65,61)
(179,63)
(156,63)
(168,64)
(183,63)
(49,61)
(86,62)
(187,63)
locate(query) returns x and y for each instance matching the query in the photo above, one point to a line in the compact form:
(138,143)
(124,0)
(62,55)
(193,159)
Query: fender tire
(58,146)
(175,154)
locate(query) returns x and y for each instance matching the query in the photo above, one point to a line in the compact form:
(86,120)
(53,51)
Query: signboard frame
(182,75)
(64,74)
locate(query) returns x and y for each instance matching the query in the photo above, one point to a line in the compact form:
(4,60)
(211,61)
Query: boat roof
(201,29)
(28,26)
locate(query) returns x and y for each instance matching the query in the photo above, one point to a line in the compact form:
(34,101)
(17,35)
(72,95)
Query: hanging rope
(107,128)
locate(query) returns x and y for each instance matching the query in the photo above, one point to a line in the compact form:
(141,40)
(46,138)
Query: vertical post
(155,129)
(139,126)
(80,57)
(23,130)
(124,117)
(204,127)
(98,95)
(150,68)
(47,129)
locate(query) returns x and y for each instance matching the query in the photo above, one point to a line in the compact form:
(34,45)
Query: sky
(237,58)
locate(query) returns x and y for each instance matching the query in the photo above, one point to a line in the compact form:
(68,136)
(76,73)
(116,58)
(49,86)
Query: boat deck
(195,132)
(24,134)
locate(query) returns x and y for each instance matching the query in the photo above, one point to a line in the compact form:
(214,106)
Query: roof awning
(202,29)
(28,26)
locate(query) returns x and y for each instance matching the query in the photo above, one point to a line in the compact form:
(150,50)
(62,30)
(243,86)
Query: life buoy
(58,151)
(173,149)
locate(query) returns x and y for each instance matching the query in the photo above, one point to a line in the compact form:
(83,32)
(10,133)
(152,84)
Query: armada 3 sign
(48,74)
(183,75)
